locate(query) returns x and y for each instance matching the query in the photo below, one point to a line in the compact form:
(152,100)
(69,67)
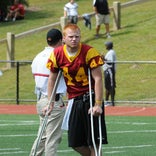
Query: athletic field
(131,131)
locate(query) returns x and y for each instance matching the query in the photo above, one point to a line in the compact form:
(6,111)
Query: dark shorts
(73,19)
(109,77)
(79,133)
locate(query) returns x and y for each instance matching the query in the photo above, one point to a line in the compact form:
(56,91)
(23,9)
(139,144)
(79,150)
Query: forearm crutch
(44,123)
(97,151)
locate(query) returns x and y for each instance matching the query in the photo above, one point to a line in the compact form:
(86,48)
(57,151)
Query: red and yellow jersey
(75,68)
(20,7)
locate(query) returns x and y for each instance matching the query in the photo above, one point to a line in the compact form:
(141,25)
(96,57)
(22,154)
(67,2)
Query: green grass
(127,136)
(134,41)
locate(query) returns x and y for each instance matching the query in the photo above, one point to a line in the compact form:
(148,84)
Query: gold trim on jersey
(71,58)
(53,59)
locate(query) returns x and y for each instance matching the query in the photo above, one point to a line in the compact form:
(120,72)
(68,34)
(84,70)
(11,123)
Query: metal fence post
(17,83)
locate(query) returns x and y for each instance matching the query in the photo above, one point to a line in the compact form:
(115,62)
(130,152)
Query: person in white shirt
(52,135)
(109,73)
(71,11)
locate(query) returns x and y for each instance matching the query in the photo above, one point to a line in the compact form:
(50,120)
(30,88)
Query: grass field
(135,41)
(127,136)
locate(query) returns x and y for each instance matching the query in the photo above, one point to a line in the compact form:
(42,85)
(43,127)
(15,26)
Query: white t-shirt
(110,56)
(71,9)
(41,73)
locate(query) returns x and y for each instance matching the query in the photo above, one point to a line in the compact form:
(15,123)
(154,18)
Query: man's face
(72,38)
(72,1)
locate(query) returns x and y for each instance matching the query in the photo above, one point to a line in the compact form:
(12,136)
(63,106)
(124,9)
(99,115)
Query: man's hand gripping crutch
(97,149)
(47,112)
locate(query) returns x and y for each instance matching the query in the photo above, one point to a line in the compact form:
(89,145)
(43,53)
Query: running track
(113,111)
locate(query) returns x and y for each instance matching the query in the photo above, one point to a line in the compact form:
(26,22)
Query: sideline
(110,110)
(131,111)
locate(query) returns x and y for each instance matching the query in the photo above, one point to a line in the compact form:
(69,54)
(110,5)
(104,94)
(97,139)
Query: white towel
(65,124)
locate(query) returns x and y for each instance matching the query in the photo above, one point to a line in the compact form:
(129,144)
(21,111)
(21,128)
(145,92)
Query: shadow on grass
(103,36)
(139,22)
(35,15)
(29,16)
(118,33)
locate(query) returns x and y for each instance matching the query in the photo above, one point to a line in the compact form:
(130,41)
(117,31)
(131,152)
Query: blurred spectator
(71,12)
(109,73)
(16,11)
(102,14)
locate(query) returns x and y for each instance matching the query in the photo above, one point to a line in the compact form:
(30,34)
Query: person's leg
(84,150)
(98,24)
(112,96)
(77,138)
(106,22)
(53,129)
(107,85)
(70,19)
(17,15)
(40,150)
(93,151)
(75,20)
(8,16)
(107,28)
(41,103)
(97,30)
(113,88)
(107,95)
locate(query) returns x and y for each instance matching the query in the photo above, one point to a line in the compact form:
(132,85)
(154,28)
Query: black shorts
(73,19)
(109,77)
(79,133)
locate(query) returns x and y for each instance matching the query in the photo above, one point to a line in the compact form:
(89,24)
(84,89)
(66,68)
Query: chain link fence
(135,82)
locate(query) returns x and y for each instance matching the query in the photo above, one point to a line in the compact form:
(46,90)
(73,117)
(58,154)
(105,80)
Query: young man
(101,10)
(16,11)
(75,59)
(109,73)
(71,11)
(52,135)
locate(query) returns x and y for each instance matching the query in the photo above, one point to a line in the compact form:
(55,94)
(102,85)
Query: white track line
(133,131)
(123,147)
(110,132)
(19,151)
(18,135)
(8,153)
(129,112)
(8,149)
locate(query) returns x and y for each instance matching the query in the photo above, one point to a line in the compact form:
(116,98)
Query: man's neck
(72,50)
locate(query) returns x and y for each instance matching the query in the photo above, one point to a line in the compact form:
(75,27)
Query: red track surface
(113,111)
